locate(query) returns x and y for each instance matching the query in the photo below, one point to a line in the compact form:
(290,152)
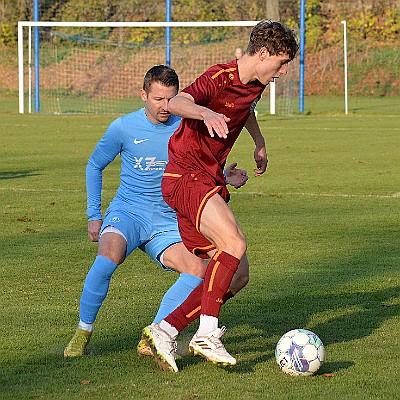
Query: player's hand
(94,230)
(261,159)
(235,177)
(216,123)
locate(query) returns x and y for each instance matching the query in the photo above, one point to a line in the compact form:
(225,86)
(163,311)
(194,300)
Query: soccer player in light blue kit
(138,217)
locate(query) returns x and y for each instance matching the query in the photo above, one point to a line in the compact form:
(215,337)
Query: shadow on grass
(5,175)
(334,367)
(258,317)
(364,312)
(261,315)
(360,313)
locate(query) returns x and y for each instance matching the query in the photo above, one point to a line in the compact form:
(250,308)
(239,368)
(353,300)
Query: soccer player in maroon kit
(215,108)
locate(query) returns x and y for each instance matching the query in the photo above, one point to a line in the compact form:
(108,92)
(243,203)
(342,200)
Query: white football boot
(211,348)
(162,345)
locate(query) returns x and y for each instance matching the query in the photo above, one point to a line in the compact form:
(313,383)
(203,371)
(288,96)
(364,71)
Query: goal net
(99,67)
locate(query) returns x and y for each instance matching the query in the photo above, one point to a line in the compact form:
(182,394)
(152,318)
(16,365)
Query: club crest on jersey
(149,164)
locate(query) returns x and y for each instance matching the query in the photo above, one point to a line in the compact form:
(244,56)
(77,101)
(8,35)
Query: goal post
(98,73)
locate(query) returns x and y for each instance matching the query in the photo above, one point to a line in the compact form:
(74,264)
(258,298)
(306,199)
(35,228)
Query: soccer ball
(300,352)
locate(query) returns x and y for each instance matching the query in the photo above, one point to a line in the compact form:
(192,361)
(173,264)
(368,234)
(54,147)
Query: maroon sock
(219,273)
(228,295)
(188,311)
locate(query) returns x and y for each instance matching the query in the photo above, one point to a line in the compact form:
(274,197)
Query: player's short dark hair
(162,74)
(275,36)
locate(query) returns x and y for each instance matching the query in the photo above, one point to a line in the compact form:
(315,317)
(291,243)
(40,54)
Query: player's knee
(184,262)
(114,254)
(113,247)
(114,257)
(197,268)
(236,246)
(242,244)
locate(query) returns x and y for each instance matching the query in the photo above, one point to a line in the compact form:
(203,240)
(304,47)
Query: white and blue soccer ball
(300,352)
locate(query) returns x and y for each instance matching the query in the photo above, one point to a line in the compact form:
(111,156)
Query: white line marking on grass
(333,129)
(82,126)
(43,190)
(376,196)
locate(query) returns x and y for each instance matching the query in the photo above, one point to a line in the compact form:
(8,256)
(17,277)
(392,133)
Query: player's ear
(143,95)
(263,53)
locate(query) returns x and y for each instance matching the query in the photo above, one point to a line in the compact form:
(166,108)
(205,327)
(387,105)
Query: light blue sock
(95,288)
(176,295)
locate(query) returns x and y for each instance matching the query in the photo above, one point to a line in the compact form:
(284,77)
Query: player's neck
(246,69)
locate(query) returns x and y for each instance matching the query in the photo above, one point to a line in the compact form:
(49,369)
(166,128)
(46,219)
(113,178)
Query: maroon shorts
(187,194)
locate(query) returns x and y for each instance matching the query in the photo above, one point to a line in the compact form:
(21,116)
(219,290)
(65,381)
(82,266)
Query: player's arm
(184,106)
(94,183)
(260,152)
(105,151)
(235,177)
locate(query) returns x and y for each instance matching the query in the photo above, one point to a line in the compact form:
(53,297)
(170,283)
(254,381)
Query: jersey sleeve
(109,146)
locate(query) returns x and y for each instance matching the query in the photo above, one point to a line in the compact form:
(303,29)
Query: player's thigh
(121,233)
(178,258)
(219,225)
(112,246)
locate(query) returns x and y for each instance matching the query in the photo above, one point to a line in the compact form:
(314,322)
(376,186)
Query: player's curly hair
(162,74)
(276,37)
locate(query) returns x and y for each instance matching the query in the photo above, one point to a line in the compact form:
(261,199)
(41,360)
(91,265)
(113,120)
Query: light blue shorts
(152,231)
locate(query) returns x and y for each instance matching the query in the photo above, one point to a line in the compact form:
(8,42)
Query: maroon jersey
(191,147)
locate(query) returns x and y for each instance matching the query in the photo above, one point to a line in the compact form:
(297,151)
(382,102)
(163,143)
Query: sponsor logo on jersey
(230,105)
(149,164)
(138,141)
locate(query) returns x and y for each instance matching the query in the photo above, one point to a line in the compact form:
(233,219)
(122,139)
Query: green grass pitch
(323,231)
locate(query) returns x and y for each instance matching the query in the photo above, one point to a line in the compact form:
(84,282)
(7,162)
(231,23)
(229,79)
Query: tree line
(377,20)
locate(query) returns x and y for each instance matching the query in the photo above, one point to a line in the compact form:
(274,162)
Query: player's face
(270,67)
(157,102)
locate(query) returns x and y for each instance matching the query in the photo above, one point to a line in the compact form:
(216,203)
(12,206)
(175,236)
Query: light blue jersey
(138,209)
(143,147)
